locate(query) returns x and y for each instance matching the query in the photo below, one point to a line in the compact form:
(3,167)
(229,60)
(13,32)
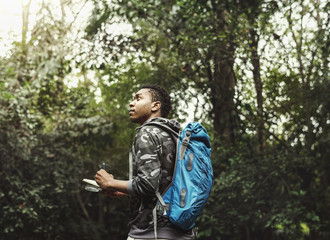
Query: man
(153,163)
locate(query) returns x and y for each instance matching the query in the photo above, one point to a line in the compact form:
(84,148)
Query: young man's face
(142,107)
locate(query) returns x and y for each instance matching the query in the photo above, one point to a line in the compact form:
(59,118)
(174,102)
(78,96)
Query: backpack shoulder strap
(166,128)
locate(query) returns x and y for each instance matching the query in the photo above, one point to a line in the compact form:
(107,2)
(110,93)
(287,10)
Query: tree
(252,72)
(50,136)
(197,38)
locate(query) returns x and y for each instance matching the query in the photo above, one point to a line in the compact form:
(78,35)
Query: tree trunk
(222,98)
(25,28)
(25,25)
(63,14)
(255,60)
(222,80)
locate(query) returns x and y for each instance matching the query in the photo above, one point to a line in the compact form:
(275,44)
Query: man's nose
(131,104)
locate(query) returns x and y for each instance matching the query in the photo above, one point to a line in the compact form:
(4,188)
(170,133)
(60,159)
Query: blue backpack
(182,202)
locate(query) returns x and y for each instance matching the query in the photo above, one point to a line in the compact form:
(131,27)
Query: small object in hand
(92,185)
(91,188)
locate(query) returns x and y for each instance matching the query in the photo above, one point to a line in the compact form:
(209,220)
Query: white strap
(154,216)
(154,212)
(130,165)
(161,200)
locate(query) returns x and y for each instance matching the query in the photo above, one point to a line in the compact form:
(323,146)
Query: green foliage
(41,171)
(255,196)
(52,136)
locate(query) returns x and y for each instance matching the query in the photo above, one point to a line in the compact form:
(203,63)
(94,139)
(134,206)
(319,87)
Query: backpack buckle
(184,144)
(186,138)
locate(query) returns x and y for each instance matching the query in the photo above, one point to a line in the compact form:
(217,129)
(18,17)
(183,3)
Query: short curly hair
(160,94)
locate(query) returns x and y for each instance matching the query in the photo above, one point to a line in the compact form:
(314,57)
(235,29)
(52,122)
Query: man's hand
(107,182)
(104,179)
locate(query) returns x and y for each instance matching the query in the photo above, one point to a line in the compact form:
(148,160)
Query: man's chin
(133,120)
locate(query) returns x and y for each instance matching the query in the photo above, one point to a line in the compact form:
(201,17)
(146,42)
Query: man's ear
(156,106)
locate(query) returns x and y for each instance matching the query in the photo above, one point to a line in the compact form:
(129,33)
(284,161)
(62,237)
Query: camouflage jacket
(153,163)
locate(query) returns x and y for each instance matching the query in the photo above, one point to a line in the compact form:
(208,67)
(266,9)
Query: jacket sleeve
(147,148)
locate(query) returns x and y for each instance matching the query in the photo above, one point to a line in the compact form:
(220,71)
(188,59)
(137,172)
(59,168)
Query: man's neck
(156,115)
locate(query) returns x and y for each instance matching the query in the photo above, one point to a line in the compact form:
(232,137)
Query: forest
(255,73)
